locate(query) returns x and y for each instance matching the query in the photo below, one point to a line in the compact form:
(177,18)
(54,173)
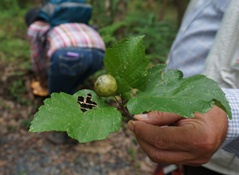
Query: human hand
(169,138)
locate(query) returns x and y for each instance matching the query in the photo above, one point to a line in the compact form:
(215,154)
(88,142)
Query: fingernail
(141,116)
(131,125)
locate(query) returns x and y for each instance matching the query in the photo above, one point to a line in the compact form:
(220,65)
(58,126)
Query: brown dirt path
(24,153)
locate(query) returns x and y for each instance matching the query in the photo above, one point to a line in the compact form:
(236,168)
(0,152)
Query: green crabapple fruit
(105,85)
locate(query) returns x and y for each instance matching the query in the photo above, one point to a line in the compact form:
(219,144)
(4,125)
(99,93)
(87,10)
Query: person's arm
(185,141)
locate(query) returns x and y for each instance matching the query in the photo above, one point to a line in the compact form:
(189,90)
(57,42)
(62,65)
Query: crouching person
(65,56)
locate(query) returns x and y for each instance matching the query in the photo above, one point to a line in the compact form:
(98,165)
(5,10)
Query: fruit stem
(124,111)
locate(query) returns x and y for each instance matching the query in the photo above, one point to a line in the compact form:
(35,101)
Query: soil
(24,153)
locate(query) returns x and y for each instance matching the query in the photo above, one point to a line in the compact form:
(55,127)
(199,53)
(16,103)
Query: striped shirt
(191,47)
(196,35)
(44,42)
(74,34)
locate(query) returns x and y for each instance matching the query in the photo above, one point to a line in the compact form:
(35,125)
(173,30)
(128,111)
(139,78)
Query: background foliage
(115,19)
(157,20)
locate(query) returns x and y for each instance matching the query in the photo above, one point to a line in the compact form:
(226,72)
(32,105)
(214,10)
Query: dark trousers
(191,170)
(70,66)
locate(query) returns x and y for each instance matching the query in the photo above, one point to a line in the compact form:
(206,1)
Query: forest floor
(24,153)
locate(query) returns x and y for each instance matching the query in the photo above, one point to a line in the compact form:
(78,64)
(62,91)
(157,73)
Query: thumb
(158,118)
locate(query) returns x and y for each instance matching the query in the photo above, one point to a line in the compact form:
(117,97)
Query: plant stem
(123,109)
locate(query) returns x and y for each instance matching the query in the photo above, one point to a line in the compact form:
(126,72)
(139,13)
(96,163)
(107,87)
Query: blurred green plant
(159,35)
(17,90)
(109,33)
(131,153)
(8,4)
(118,19)
(14,4)
(14,45)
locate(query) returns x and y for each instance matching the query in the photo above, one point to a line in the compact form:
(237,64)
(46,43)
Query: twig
(121,107)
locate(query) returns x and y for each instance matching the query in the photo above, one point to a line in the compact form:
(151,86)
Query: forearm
(231,142)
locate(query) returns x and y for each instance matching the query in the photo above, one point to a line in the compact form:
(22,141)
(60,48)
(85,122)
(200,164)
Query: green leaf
(170,92)
(126,61)
(61,112)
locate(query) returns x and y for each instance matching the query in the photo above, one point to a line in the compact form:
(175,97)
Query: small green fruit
(106,85)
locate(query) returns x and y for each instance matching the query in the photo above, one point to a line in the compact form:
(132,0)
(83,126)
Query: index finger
(158,118)
(171,138)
